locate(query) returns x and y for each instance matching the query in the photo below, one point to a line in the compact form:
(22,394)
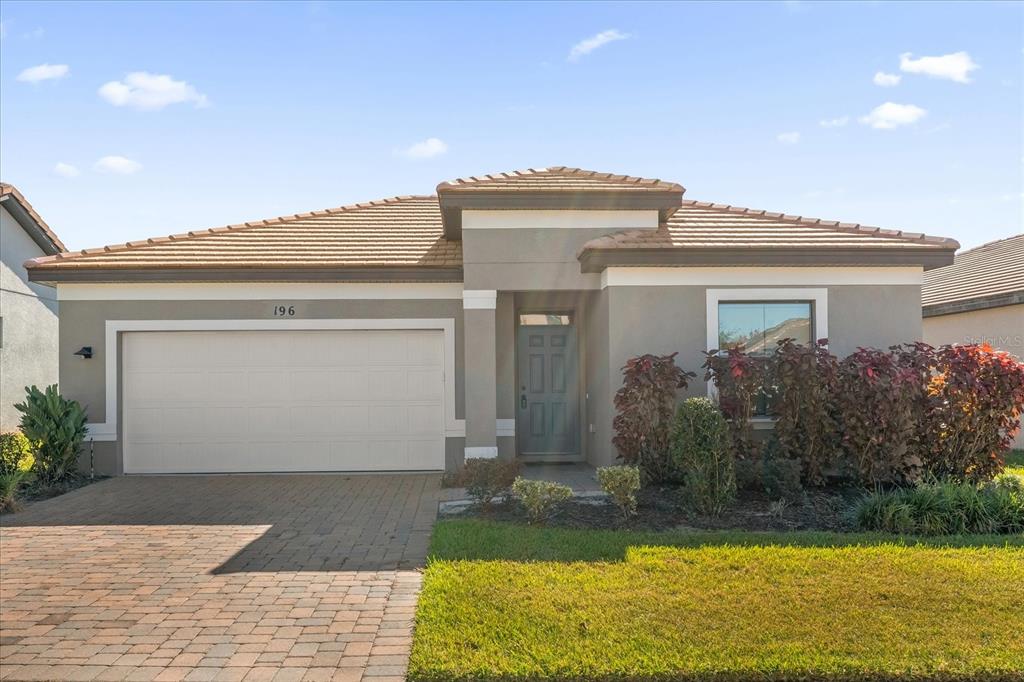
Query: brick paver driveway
(216,578)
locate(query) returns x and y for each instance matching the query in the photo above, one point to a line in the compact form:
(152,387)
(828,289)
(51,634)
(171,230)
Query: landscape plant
(541,499)
(739,380)
(56,428)
(487,478)
(781,478)
(621,484)
(645,406)
(701,450)
(15,468)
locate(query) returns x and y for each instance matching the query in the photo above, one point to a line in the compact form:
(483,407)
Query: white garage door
(250,401)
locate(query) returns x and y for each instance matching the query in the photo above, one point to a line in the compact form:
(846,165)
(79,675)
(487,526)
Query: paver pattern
(305,577)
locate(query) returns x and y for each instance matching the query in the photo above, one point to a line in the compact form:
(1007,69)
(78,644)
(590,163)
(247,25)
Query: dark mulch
(35,492)
(663,509)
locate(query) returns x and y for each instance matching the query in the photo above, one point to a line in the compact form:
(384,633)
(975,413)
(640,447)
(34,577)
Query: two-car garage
(283,400)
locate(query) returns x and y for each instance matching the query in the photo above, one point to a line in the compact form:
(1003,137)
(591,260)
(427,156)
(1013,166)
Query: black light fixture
(84,351)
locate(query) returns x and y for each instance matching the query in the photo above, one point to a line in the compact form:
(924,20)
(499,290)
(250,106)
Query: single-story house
(489,319)
(28,310)
(979,299)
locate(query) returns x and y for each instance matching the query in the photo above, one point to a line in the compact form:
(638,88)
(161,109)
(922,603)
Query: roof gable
(556,179)
(30,221)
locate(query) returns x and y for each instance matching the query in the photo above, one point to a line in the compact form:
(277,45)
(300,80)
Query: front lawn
(506,602)
(1015,462)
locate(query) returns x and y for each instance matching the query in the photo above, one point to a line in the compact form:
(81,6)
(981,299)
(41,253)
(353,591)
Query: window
(756,326)
(544,319)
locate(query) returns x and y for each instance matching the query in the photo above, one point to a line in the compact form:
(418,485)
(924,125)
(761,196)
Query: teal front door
(547,415)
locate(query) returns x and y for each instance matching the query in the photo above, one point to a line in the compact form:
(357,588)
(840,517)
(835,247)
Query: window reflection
(757,326)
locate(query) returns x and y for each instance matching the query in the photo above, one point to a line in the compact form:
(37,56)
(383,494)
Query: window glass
(543,319)
(757,326)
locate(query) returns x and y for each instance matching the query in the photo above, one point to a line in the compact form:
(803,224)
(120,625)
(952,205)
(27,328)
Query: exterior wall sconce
(84,351)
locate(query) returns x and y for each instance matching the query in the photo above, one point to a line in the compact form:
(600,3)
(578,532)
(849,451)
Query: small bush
(56,426)
(749,475)
(621,483)
(701,451)
(739,379)
(15,453)
(781,479)
(485,479)
(943,508)
(541,498)
(644,421)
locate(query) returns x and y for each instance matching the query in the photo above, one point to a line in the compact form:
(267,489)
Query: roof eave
(66,275)
(37,230)
(972,304)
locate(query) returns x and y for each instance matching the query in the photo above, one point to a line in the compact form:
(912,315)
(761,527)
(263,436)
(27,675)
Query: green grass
(504,602)
(1015,462)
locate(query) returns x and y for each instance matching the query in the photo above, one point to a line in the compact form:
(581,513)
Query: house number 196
(284,311)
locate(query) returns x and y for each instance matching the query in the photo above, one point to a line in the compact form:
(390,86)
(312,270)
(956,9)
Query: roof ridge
(235,227)
(569,171)
(852,228)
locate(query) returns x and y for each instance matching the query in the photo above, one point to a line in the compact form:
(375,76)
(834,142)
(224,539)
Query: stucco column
(480,373)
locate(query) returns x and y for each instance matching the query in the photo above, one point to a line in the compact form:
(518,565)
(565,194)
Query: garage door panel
(225,386)
(424,384)
(387,384)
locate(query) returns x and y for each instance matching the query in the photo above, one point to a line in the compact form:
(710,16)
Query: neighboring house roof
(394,238)
(415,238)
(988,276)
(704,233)
(556,179)
(22,211)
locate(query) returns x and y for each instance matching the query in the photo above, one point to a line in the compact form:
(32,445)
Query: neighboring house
(28,310)
(979,299)
(409,333)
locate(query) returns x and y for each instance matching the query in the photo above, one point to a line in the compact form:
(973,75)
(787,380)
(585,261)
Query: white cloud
(150,92)
(890,115)
(427,149)
(43,72)
(66,170)
(118,164)
(788,138)
(834,122)
(887,80)
(955,67)
(588,45)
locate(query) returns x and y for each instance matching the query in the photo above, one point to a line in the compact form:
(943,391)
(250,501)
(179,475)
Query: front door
(547,419)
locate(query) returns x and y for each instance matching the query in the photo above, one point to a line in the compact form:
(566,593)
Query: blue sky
(249,110)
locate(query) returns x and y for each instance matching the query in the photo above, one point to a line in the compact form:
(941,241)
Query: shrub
(975,403)
(803,384)
(645,404)
(749,475)
(942,508)
(621,483)
(485,479)
(876,399)
(541,498)
(10,483)
(56,426)
(739,380)
(15,453)
(781,478)
(701,450)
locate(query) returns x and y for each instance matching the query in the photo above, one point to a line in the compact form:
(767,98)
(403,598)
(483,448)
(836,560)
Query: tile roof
(9,193)
(704,225)
(556,179)
(992,269)
(402,231)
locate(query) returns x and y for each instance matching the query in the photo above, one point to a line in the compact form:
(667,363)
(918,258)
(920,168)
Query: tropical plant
(621,483)
(56,427)
(15,452)
(486,479)
(541,499)
(701,450)
(739,380)
(645,404)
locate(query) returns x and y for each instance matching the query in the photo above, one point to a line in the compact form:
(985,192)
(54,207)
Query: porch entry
(547,400)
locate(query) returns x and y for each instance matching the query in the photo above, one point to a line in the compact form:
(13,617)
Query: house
(979,299)
(490,319)
(28,310)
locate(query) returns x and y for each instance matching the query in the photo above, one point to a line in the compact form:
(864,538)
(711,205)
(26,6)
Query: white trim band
(479,299)
(257,291)
(482,452)
(759,277)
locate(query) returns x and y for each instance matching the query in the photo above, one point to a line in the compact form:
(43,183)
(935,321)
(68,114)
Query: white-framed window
(757,318)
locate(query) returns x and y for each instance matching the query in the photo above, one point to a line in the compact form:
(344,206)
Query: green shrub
(621,483)
(56,426)
(781,478)
(485,479)
(541,498)
(702,451)
(15,453)
(749,475)
(10,484)
(943,508)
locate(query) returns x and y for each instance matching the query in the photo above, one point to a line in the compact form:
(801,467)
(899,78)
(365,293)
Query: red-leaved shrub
(646,405)
(739,379)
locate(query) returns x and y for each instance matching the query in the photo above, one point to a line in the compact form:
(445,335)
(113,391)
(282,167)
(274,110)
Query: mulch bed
(662,509)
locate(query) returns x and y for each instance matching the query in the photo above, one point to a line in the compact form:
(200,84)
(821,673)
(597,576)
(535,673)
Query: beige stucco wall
(1002,328)
(28,345)
(83,324)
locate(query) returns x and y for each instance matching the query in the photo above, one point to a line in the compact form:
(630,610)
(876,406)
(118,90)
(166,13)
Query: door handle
(522,402)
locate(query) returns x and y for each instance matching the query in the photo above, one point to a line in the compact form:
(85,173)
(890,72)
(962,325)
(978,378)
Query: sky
(123,121)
